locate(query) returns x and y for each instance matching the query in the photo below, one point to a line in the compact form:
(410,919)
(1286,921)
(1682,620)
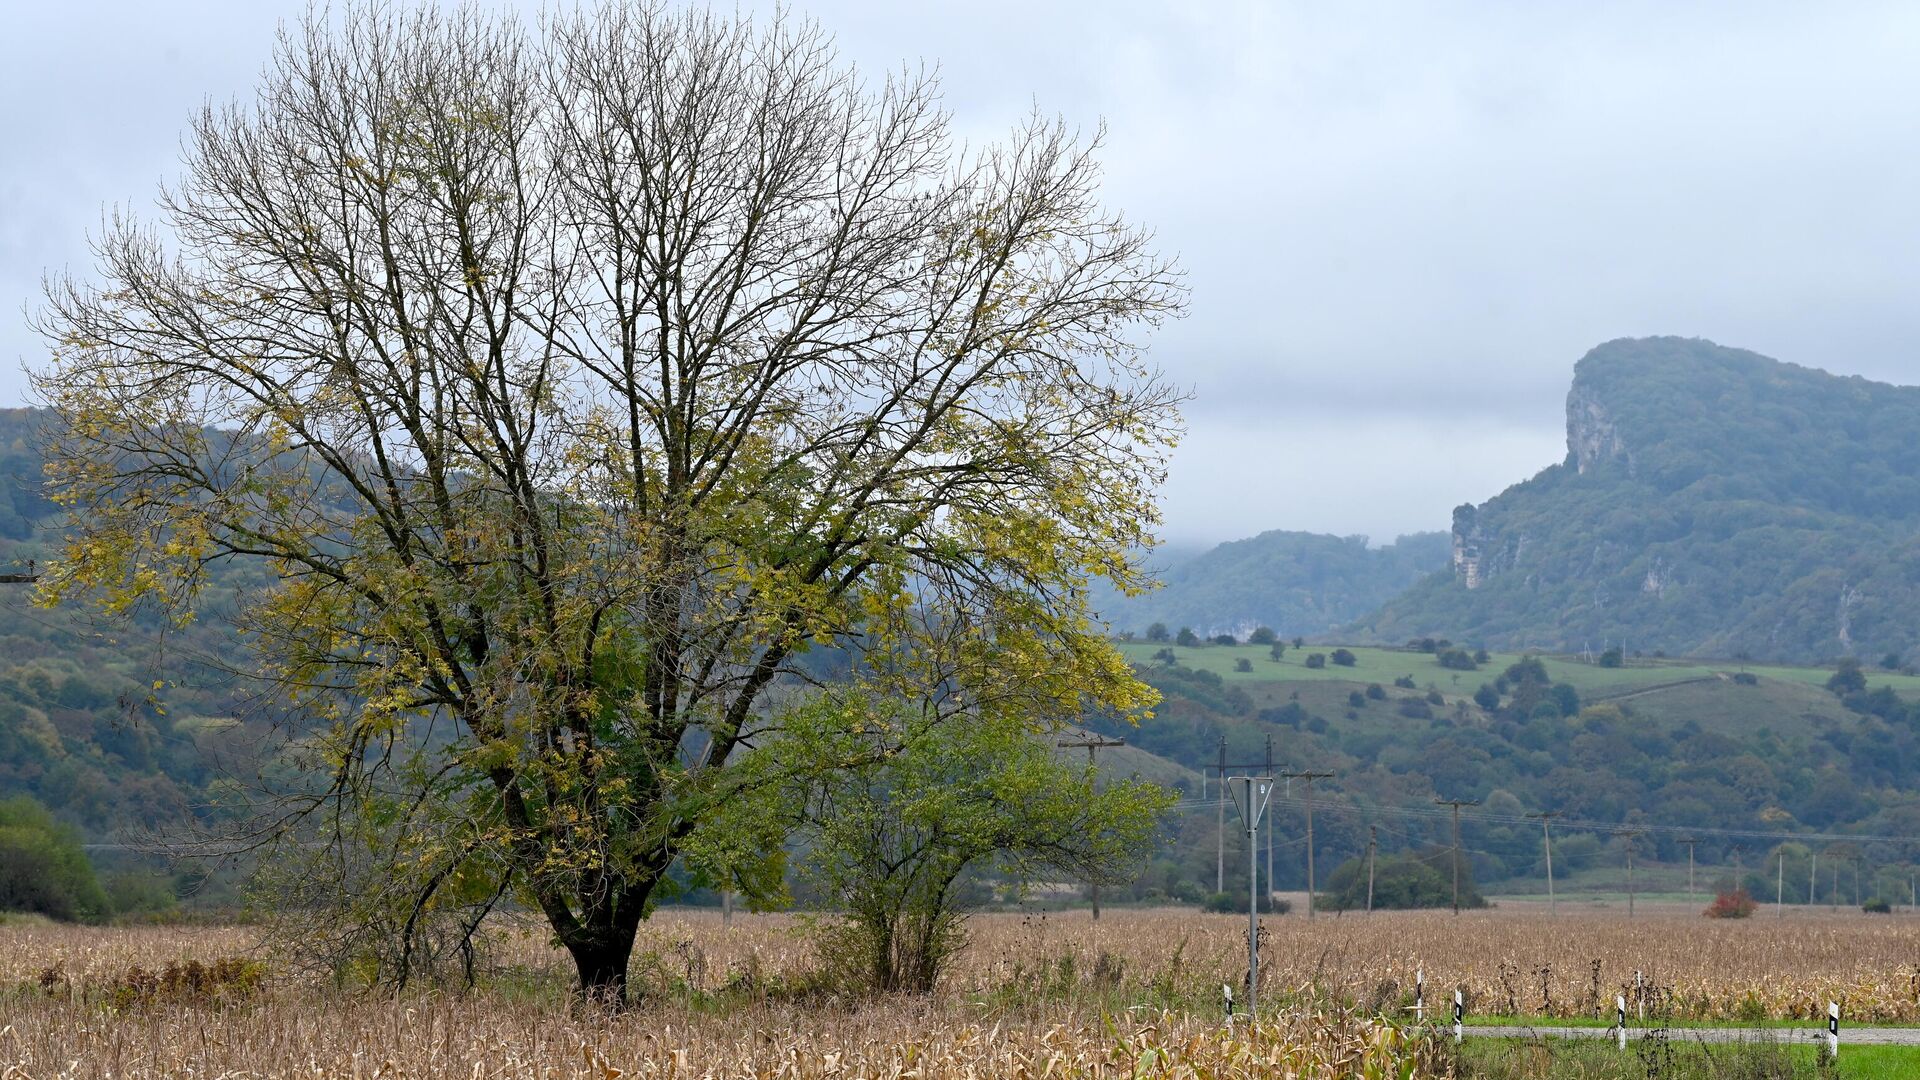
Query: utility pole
(1779,881)
(1093,743)
(1690,841)
(1630,839)
(1373,832)
(1269,823)
(1258,790)
(1456,804)
(1309,776)
(1813,873)
(1220,831)
(1546,839)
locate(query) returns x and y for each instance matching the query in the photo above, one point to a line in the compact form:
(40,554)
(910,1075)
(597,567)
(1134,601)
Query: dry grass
(1138,994)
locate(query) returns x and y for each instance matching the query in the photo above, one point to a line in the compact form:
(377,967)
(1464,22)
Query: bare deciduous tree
(577,380)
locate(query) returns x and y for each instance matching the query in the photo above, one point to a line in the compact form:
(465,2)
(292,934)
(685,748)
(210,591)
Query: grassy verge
(1515,1059)
(1638,1025)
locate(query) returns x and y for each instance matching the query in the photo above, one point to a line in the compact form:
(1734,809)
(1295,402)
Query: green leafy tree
(1263,635)
(1278,651)
(890,839)
(1157,633)
(1400,880)
(1847,678)
(572,409)
(1613,658)
(1186,638)
(1344,657)
(1242,664)
(1316,660)
(43,868)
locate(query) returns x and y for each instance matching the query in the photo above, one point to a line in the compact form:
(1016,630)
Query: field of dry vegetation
(1038,996)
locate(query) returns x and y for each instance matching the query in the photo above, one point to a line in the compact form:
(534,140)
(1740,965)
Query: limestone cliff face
(1592,435)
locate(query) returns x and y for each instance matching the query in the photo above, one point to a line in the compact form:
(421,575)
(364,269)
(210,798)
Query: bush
(1487,697)
(43,869)
(1344,657)
(1225,639)
(1434,697)
(1458,660)
(1243,664)
(1279,650)
(1157,632)
(1877,906)
(1229,903)
(1376,692)
(1262,635)
(1356,700)
(1316,660)
(1404,682)
(1401,880)
(1416,709)
(1613,658)
(1737,904)
(1747,678)
(1186,638)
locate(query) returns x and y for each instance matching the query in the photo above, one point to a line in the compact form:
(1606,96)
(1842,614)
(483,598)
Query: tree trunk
(600,956)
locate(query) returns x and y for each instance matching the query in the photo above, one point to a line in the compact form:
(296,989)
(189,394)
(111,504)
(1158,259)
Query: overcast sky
(1403,223)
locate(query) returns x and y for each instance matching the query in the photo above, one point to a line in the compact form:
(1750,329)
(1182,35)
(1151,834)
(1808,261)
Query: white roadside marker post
(1833,1030)
(1419,989)
(1620,1021)
(1459,1016)
(1226,991)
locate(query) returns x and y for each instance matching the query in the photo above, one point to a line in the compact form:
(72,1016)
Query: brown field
(1032,996)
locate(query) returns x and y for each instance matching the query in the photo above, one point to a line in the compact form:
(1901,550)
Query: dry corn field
(1031,996)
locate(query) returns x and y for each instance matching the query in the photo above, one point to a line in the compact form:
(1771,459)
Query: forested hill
(1293,582)
(1713,502)
(114,728)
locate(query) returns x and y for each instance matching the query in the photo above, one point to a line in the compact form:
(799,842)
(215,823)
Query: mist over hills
(1298,583)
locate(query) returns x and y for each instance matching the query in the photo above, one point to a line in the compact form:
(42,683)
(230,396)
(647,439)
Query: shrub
(1487,697)
(1376,692)
(1279,650)
(1877,906)
(1613,658)
(1747,678)
(1262,635)
(1344,657)
(1243,664)
(1734,904)
(1225,639)
(43,869)
(1434,698)
(1404,682)
(1458,660)
(1186,638)
(1228,903)
(1416,709)
(1316,660)
(1356,700)
(1157,632)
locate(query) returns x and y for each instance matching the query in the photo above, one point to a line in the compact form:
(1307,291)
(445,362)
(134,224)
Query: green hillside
(1293,582)
(1713,502)
(1673,745)
(117,729)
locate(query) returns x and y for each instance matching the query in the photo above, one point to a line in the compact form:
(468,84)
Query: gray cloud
(1403,222)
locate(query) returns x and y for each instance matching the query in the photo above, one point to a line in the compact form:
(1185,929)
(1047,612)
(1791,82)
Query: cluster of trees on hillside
(1520,743)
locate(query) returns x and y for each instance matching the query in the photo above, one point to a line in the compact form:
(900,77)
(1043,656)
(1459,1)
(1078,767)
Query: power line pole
(1373,832)
(1813,873)
(1309,776)
(1456,804)
(1546,839)
(1220,830)
(1779,881)
(1631,837)
(1269,822)
(1690,841)
(1093,743)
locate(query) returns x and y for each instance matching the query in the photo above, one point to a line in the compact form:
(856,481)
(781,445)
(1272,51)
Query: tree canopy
(576,381)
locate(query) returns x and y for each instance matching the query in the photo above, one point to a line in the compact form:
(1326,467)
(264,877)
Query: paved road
(1877,1036)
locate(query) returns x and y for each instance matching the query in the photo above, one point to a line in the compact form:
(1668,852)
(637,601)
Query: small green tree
(1613,658)
(1262,635)
(1344,657)
(1848,678)
(891,837)
(1316,660)
(1243,664)
(1186,638)
(1279,650)
(43,869)
(1157,633)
